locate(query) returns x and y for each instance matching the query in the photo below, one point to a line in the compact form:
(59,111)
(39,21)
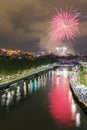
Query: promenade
(23,75)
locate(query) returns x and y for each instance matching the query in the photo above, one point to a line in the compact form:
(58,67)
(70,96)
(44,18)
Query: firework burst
(63,26)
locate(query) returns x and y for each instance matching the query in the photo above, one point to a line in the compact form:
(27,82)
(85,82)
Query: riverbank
(79,91)
(4,84)
(81,102)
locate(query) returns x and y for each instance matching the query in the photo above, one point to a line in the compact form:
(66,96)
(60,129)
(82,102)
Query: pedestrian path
(23,75)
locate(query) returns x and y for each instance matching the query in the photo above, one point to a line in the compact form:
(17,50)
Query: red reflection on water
(60,102)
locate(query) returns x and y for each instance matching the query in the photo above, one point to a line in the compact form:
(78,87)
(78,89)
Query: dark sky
(24,23)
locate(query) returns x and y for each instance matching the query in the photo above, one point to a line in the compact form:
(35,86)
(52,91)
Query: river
(44,102)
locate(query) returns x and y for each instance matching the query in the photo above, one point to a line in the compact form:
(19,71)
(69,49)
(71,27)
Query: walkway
(24,75)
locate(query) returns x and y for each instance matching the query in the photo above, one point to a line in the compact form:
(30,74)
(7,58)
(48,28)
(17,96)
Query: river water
(44,102)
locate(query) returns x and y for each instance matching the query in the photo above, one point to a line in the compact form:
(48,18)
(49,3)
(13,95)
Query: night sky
(24,23)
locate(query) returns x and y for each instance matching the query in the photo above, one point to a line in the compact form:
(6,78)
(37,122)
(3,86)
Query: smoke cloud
(24,23)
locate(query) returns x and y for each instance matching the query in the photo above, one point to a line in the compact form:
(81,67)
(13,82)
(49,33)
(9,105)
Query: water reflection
(25,89)
(8,99)
(61,104)
(18,93)
(78,119)
(53,109)
(3,99)
(29,89)
(21,89)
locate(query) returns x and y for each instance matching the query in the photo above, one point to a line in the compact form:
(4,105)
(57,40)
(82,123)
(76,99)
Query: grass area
(83,76)
(83,80)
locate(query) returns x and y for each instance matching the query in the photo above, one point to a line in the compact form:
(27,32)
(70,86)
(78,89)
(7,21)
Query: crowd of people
(79,89)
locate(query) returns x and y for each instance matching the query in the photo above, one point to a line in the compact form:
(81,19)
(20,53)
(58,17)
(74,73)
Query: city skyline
(24,24)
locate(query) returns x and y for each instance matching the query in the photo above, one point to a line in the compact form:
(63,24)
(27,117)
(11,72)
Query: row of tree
(10,66)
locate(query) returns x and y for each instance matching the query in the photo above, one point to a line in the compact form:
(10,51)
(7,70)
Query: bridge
(65,64)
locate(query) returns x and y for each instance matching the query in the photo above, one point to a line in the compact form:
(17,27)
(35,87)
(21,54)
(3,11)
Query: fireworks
(63,26)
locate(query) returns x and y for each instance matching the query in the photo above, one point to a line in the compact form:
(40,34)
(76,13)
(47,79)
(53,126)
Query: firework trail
(63,26)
